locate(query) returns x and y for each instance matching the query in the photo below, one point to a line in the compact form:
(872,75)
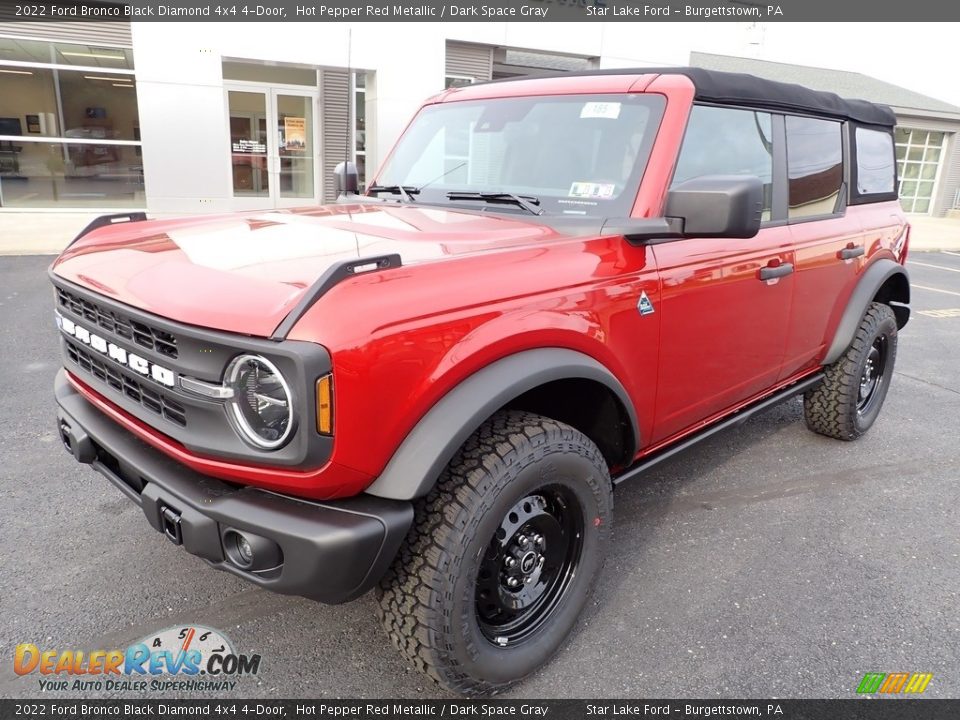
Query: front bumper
(328,551)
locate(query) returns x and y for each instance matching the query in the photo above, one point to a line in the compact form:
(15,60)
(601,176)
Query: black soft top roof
(727,88)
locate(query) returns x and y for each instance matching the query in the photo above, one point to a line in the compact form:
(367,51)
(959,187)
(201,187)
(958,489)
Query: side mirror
(718,206)
(345,180)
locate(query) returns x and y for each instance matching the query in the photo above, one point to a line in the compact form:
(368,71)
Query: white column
(408,61)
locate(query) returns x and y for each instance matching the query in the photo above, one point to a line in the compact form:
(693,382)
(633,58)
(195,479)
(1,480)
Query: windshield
(579,155)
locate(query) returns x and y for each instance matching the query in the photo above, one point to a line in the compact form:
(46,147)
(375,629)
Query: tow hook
(170,519)
(77,442)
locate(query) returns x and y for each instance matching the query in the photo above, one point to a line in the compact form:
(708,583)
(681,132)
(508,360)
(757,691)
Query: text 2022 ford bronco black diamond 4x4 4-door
(431,390)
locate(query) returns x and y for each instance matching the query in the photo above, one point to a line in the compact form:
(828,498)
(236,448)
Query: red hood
(244,272)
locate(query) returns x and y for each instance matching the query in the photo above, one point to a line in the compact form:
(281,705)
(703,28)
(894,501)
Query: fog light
(251,552)
(244,549)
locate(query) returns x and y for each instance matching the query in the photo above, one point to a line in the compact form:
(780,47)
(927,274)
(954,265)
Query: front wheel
(502,556)
(848,401)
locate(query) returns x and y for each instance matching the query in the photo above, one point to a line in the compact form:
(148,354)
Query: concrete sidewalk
(47,233)
(931,234)
(39,233)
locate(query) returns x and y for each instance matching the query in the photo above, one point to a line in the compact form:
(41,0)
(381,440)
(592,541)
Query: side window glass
(727,141)
(814,166)
(875,163)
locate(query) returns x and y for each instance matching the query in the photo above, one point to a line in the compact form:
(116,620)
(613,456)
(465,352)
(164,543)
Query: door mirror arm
(644,231)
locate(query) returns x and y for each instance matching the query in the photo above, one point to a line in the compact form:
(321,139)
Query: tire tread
(830,409)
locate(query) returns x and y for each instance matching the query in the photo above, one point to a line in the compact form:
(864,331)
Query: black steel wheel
(502,556)
(529,564)
(873,374)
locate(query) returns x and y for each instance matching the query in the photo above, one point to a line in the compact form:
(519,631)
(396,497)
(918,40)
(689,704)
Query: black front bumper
(328,551)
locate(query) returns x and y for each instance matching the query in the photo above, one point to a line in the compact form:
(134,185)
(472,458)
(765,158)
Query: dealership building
(203,118)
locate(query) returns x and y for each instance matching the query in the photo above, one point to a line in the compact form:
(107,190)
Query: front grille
(149,398)
(143,335)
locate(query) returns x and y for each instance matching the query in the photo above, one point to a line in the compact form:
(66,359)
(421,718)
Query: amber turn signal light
(325,405)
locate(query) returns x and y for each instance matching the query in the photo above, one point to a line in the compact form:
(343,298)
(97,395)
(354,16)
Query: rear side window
(727,141)
(814,166)
(875,162)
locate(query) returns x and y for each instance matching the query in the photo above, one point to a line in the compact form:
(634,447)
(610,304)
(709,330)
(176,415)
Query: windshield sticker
(592,190)
(608,110)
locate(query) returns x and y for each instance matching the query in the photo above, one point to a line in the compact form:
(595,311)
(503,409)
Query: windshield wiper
(527,202)
(405,191)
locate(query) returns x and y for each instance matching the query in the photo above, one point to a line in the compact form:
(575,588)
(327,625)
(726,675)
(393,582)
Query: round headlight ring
(240,423)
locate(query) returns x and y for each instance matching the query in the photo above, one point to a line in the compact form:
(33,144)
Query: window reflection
(68,138)
(70,175)
(814,165)
(38,51)
(248,144)
(747,148)
(295,133)
(360,128)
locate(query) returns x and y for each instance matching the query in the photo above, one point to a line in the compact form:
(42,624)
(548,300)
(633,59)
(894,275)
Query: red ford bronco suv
(432,389)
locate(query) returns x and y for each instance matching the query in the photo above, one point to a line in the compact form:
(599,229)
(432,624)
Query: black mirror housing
(718,206)
(345,179)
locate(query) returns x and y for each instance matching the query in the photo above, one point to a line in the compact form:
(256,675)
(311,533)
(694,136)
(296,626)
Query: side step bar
(737,418)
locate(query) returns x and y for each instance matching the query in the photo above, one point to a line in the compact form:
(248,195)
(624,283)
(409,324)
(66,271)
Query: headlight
(261,407)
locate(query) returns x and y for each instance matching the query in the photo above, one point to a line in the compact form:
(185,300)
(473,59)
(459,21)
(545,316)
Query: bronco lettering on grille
(116,353)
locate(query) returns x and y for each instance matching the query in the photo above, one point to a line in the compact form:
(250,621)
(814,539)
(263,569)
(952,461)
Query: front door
(725,303)
(273,148)
(723,327)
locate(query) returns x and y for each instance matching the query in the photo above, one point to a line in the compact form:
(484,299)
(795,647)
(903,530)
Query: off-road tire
(427,601)
(831,409)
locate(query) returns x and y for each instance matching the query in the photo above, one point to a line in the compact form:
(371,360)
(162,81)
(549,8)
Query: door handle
(850,252)
(770,272)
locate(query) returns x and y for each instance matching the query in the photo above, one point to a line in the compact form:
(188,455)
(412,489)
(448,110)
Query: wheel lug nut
(523,540)
(513,582)
(510,562)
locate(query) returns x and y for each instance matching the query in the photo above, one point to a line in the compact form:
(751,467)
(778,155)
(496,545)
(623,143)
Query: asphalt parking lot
(769,562)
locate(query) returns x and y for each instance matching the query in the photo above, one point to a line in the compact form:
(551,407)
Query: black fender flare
(421,457)
(863,294)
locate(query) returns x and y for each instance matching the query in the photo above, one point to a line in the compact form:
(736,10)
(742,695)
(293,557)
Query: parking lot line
(938,267)
(950,252)
(945,292)
(945,313)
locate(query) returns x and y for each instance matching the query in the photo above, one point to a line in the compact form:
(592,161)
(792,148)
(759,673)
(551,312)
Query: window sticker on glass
(608,110)
(592,190)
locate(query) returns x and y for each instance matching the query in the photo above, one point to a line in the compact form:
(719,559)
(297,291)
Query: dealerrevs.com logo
(178,658)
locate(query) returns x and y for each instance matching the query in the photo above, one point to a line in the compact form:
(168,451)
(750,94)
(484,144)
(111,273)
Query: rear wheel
(848,401)
(502,556)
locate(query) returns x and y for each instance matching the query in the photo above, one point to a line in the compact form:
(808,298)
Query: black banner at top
(480,10)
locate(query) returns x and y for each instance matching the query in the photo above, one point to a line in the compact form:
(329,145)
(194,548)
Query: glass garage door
(918,163)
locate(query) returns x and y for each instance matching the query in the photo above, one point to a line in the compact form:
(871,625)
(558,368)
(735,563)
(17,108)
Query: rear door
(725,302)
(828,241)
